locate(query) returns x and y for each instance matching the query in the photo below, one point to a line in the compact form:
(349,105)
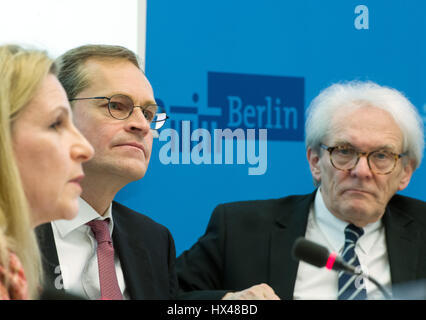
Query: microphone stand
(378,285)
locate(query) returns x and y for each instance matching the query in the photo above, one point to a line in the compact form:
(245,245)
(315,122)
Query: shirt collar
(85,214)
(334,228)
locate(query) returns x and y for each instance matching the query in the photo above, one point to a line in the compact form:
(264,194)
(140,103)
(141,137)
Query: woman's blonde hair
(21,73)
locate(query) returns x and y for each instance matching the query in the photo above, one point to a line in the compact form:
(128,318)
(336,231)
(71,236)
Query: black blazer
(248,243)
(145,248)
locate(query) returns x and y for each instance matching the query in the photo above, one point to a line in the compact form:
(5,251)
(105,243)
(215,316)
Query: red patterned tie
(107,276)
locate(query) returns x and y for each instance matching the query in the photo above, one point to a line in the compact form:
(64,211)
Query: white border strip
(141,33)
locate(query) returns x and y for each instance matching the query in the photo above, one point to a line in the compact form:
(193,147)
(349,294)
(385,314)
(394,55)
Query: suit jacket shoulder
(147,254)
(414,208)
(258,211)
(136,221)
(245,243)
(405,227)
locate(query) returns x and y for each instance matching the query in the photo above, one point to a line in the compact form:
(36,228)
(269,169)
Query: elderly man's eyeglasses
(121,107)
(346,158)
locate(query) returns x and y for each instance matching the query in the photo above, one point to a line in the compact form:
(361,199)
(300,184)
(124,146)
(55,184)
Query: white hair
(354,94)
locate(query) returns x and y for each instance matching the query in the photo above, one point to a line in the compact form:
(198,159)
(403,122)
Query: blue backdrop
(258,64)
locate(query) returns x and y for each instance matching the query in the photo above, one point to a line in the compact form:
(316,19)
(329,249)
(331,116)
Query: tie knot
(100,230)
(352,233)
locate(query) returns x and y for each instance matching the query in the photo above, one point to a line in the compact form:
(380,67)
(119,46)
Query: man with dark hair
(110,251)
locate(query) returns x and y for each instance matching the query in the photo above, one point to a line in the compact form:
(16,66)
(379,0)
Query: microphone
(319,256)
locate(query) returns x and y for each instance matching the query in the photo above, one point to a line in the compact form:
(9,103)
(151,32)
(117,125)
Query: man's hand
(258,292)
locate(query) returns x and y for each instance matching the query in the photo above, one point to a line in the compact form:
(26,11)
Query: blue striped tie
(351,287)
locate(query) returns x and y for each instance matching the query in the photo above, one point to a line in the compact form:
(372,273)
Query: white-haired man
(363,143)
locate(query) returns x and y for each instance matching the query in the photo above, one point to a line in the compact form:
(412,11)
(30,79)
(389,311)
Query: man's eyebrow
(387,147)
(150,103)
(345,143)
(146,103)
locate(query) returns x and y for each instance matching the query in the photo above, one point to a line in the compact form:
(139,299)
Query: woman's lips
(77,180)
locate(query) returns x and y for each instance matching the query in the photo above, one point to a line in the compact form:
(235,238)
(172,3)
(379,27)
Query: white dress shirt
(325,229)
(76,247)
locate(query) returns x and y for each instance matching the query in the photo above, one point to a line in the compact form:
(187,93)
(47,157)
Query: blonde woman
(41,153)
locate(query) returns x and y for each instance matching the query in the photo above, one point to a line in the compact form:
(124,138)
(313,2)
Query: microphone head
(310,252)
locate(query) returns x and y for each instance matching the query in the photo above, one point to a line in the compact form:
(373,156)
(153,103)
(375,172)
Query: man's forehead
(106,61)
(107,76)
(98,67)
(364,118)
(365,126)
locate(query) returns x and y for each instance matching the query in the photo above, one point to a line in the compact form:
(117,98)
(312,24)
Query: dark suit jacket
(248,243)
(145,248)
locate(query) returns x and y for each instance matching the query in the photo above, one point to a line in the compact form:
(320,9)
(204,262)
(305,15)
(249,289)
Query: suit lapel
(134,259)
(49,257)
(403,245)
(290,225)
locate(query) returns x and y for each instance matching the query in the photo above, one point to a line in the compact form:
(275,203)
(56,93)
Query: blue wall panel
(260,44)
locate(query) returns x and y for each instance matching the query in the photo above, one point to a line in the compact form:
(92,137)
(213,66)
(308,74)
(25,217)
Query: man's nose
(137,121)
(362,169)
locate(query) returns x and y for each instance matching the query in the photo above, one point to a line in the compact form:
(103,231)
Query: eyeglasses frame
(109,107)
(363,154)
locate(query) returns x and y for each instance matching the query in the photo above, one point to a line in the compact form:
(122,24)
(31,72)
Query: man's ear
(313,159)
(407,172)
